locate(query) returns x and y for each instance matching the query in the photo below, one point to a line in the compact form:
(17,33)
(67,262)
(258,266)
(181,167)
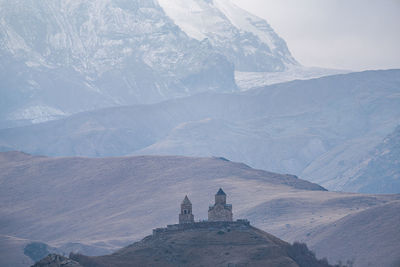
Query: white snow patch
(248,80)
(200,19)
(247,22)
(32,64)
(37,114)
(33,84)
(189,15)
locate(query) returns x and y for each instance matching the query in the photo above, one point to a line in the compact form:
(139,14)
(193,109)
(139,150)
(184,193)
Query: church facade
(220,211)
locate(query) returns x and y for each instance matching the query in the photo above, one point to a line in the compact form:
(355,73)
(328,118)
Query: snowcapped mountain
(246,40)
(62,57)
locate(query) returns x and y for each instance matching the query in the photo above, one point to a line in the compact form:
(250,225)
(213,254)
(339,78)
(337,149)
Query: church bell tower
(186,215)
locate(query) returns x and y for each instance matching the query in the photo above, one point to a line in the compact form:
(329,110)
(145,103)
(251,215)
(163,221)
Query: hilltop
(207,244)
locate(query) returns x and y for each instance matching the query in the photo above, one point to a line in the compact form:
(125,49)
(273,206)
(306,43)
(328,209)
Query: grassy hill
(375,230)
(221,244)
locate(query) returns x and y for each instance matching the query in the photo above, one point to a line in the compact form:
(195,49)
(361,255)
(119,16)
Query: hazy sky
(342,34)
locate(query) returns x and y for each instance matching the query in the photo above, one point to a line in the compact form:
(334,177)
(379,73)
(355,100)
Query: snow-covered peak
(245,39)
(247,22)
(66,56)
(197,18)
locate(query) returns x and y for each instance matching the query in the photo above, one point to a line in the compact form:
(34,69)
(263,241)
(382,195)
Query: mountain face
(317,129)
(361,233)
(95,206)
(62,57)
(246,40)
(380,170)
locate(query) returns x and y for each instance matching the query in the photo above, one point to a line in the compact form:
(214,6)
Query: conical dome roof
(221,192)
(186,201)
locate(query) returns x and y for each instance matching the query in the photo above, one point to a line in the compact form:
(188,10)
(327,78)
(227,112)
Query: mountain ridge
(245,39)
(308,128)
(118,52)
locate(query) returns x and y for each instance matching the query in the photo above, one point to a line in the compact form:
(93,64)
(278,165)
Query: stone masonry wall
(238,224)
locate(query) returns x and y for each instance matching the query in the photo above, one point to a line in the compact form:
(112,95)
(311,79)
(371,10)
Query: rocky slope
(362,231)
(380,169)
(246,40)
(62,57)
(317,129)
(54,260)
(97,205)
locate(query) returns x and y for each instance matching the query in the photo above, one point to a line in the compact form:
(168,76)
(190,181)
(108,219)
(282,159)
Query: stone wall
(220,199)
(238,224)
(186,218)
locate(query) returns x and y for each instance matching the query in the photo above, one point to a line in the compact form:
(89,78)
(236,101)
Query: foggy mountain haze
(318,129)
(111,111)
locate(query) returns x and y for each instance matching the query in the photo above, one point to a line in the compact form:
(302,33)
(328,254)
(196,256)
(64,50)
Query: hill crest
(208,244)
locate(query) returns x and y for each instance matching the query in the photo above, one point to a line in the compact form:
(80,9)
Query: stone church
(219,212)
